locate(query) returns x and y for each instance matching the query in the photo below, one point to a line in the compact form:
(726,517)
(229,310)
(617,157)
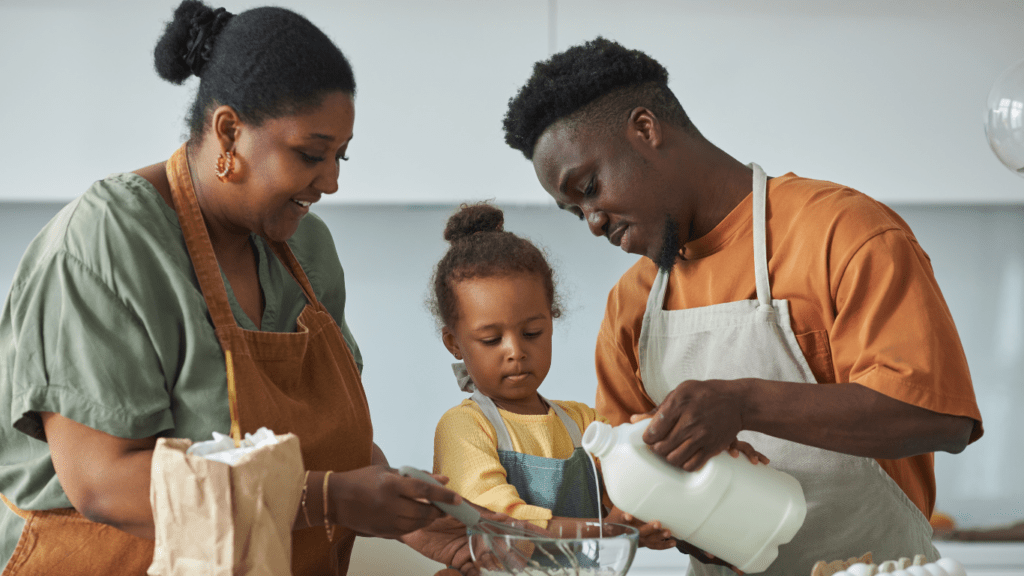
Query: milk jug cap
(598,439)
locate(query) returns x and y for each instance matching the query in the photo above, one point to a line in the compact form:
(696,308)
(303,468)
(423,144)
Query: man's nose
(597,221)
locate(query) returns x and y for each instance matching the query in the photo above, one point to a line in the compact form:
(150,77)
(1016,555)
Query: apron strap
(490,411)
(760,191)
(200,248)
(285,254)
(570,425)
(197,239)
(655,301)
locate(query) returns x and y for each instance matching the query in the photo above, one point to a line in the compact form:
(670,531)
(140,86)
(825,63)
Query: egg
(860,569)
(952,567)
(934,569)
(917,571)
(900,573)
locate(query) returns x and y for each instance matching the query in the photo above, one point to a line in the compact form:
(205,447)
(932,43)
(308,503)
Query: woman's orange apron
(305,382)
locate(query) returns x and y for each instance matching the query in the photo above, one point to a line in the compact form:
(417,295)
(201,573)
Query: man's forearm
(850,418)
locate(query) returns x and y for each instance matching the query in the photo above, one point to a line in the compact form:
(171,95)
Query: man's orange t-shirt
(864,305)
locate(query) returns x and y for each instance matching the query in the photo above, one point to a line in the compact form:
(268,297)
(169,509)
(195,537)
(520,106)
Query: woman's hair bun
(187,43)
(474,218)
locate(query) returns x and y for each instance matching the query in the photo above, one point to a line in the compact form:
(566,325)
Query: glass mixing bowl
(586,549)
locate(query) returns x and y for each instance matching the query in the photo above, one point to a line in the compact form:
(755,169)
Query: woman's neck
(230,242)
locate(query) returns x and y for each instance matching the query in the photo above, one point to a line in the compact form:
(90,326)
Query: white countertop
(978,558)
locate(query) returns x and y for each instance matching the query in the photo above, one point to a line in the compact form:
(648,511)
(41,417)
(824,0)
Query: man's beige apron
(305,382)
(853,506)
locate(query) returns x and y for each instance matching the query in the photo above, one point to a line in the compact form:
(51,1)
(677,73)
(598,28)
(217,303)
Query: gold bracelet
(327,521)
(305,512)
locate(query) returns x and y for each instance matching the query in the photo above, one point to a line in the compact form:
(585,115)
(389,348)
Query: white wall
(884,96)
(388,253)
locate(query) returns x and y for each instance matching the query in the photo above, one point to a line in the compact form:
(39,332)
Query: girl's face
(503,333)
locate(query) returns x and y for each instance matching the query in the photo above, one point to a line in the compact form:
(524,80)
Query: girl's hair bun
(187,43)
(474,218)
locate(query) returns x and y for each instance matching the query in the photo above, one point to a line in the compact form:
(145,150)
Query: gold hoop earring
(225,166)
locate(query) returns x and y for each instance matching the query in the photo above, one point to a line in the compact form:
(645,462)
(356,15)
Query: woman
(119,318)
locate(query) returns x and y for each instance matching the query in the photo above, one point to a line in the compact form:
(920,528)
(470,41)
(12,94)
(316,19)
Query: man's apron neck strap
(760,192)
(656,299)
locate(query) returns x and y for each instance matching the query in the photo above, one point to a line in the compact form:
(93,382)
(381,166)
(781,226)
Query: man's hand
(697,420)
(740,447)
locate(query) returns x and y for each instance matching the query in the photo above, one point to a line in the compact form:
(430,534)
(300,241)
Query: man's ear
(448,337)
(644,127)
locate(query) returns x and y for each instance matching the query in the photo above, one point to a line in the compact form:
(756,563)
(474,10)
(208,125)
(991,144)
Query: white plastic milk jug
(738,511)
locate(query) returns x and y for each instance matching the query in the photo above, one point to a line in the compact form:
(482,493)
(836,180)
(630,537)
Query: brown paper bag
(218,519)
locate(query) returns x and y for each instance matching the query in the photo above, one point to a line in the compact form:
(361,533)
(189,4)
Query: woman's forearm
(106,478)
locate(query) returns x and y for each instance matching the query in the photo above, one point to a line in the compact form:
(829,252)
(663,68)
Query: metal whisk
(511,549)
(499,537)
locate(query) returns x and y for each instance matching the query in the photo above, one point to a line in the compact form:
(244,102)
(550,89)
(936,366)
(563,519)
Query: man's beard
(670,245)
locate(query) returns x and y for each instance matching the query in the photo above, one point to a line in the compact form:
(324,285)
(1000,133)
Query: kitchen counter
(978,558)
(986,558)
(375,556)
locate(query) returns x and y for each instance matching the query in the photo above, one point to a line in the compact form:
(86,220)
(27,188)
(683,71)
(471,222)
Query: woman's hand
(378,501)
(445,540)
(652,535)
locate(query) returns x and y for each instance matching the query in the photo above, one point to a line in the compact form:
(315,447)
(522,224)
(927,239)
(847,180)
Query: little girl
(507,448)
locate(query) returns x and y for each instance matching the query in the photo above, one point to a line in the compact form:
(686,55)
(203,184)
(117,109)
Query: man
(798,315)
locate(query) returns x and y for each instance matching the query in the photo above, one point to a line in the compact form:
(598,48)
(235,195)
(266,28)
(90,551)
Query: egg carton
(863,566)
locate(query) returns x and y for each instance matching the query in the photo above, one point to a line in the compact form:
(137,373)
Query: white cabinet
(433,81)
(887,97)
(884,96)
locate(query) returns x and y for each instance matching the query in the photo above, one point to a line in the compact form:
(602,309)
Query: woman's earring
(225,166)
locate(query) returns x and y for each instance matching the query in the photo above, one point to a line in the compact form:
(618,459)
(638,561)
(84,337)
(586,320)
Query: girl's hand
(377,501)
(447,542)
(754,456)
(652,535)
